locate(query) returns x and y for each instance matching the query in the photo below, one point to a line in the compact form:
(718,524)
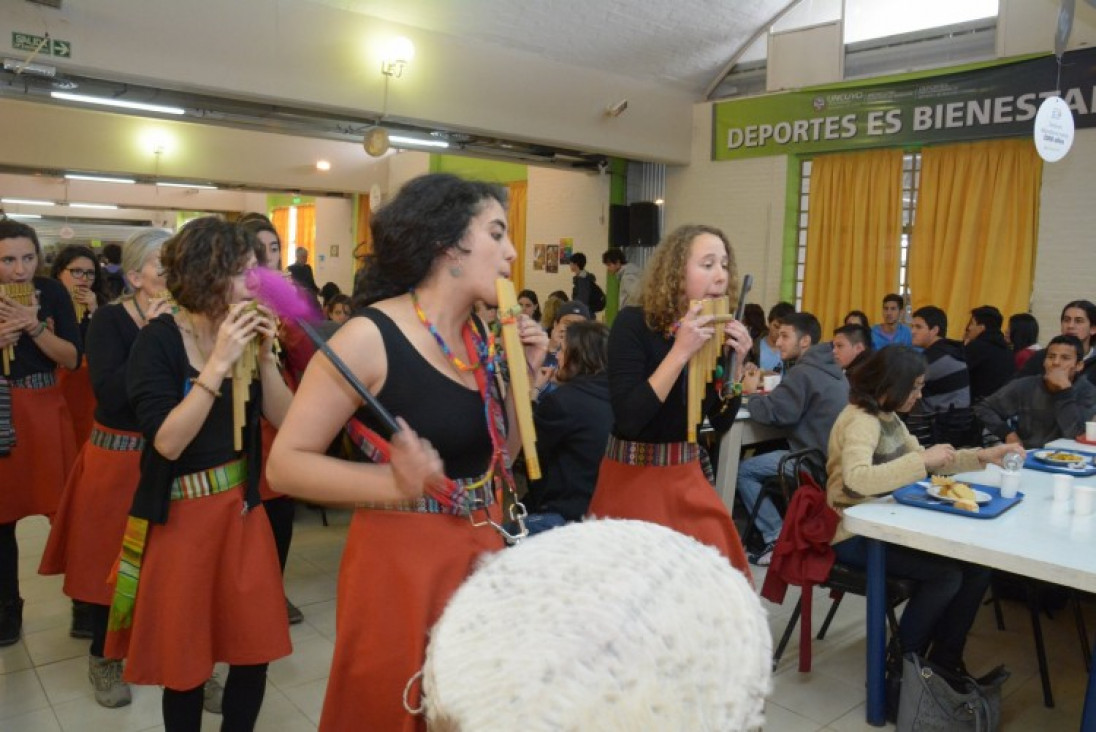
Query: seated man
(807,402)
(1079,320)
(947,381)
(989,358)
(764,351)
(891,332)
(1034,410)
(851,345)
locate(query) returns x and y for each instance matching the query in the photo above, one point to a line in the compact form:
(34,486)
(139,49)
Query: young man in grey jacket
(807,401)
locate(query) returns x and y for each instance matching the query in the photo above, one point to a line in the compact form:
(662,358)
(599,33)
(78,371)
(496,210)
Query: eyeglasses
(81,274)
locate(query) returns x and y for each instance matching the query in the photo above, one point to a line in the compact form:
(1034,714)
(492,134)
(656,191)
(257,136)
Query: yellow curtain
(977,223)
(853,233)
(306,230)
(519,191)
(280,218)
(365,234)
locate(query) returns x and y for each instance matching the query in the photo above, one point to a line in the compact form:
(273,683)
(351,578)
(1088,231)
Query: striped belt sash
(107,439)
(658,454)
(42,380)
(466,495)
(209,482)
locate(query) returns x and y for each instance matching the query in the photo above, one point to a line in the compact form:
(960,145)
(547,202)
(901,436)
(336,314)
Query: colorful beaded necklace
(483,353)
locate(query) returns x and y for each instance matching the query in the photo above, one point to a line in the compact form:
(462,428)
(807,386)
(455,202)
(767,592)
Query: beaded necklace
(457,363)
(140,312)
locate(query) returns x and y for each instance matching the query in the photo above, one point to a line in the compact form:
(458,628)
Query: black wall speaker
(643,224)
(618,225)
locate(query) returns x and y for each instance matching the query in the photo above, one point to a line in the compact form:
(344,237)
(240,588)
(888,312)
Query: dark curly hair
(68,255)
(884,381)
(201,260)
(429,216)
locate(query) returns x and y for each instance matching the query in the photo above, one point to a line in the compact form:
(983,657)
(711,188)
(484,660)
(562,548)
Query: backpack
(597,297)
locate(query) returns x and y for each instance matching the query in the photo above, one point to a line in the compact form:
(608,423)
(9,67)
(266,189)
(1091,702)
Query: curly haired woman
(650,472)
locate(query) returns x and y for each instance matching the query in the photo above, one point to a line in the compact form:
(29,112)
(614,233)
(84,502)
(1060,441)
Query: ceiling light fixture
(401,140)
(109,102)
(27,202)
(23,216)
(201,186)
(399,53)
(106,206)
(323,165)
(99,178)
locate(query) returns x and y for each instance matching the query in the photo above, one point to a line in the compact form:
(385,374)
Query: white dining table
(1037,538)
(743,433)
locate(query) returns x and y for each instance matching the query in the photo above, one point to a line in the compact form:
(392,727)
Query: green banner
(997,101)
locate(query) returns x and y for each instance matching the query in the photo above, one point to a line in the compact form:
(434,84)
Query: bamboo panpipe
(702,364)
(22,293)
(519,376)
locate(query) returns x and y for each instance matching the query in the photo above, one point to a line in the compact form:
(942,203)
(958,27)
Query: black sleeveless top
(439,409)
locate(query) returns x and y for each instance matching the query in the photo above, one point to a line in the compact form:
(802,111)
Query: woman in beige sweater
(870,454)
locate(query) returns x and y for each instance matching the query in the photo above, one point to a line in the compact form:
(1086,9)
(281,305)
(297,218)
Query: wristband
(202,385)
(38,331)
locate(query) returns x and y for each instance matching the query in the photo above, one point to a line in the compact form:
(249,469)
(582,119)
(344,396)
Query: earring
(455,270)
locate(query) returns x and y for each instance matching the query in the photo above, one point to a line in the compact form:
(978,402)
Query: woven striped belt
(41,380)
(209,482)
(659,454)
(467,495)
(116,441)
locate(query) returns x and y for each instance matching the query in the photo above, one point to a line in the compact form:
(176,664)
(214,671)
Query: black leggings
(9,563)
(244,691)
(280,513)
(99,616)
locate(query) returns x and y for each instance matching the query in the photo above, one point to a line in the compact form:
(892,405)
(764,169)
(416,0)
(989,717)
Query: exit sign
(45,45)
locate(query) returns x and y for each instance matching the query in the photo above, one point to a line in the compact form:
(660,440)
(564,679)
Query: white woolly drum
(601,625)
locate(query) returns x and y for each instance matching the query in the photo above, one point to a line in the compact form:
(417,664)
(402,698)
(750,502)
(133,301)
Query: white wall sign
(1053,129)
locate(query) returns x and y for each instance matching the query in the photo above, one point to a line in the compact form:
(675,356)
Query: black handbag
(936,700)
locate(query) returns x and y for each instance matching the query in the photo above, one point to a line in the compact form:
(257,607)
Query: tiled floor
(44,687)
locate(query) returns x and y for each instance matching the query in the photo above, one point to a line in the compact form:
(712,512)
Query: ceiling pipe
(743,48)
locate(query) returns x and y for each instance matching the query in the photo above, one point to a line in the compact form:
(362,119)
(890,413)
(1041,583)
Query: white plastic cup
(1084,499)
(1063,486)
(1090,431)
(771,382)
(1010,483)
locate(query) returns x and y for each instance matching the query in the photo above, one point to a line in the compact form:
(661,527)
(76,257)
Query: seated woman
(572,425)
(871,454)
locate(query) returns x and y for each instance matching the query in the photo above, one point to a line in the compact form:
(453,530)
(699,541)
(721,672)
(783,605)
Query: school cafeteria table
(1035,538)
(743,433)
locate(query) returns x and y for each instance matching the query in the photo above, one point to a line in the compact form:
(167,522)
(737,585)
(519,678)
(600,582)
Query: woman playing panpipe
(197,580)
(77,268)
(38,333)
(87,531)
(651,470)
(280,508)
(439,246)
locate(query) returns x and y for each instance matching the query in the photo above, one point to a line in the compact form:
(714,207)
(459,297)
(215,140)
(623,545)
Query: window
(911,178)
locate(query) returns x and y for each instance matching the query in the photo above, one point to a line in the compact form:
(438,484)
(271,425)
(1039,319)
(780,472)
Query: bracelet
(200,384)
(39,331)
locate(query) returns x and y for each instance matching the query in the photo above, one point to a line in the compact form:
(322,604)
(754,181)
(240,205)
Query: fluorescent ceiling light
(93,205)
(400,139)
(99,178)
(24,216)
(27,201)
(187,185)
(109,102)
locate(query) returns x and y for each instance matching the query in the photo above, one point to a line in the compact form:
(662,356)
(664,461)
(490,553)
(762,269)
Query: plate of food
(946,488)
(1062,459)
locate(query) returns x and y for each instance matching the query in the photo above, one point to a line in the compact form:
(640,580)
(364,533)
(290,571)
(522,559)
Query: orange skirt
(33,476)
(81,399)
(210,591)
(86,535)
(269,432)
(398,572)
(676,496)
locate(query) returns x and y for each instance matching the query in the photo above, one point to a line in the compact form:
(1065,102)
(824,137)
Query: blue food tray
(916,494)
(1033,463)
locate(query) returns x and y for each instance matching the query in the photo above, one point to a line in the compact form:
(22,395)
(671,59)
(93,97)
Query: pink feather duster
(287,300)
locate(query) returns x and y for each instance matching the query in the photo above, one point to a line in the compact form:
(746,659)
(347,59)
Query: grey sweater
(1039,415)
(808,399)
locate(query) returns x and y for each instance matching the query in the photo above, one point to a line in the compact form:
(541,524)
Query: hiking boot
(81,620)
(11,621)
(105,674)
(213,695)
(295,615)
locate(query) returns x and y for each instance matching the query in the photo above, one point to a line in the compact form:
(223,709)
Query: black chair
(779,488)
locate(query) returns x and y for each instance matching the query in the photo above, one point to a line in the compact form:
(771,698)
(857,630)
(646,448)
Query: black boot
(82,624)
(11,621)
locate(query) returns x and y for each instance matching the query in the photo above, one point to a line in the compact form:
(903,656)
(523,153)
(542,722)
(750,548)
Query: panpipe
(519,375)
(702,364)
(22,293)
(81,308)
(244,370)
